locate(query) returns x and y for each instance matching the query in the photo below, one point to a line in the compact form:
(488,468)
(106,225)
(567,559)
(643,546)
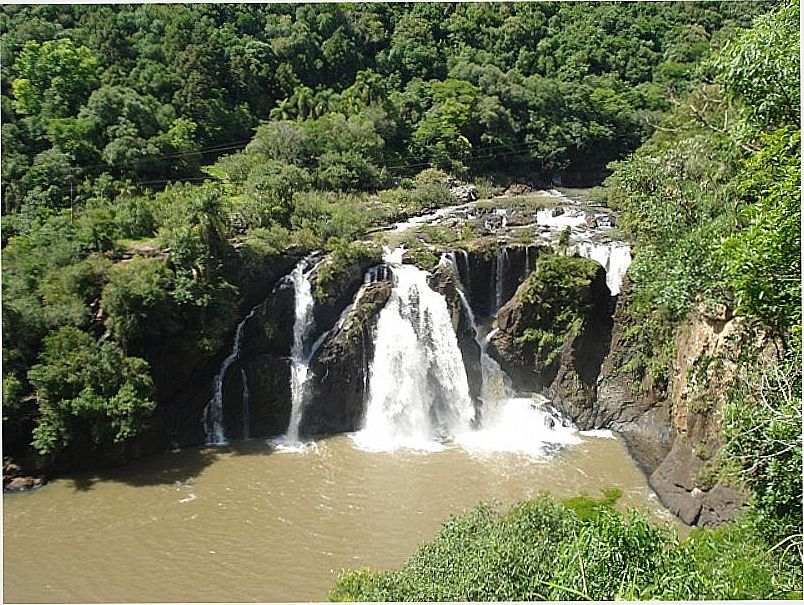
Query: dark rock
(574,388)
(340,368)
(674,480)
(335,293)
(591,221)
(641,415)
(269,396)
(17,479)
(557,211)
(606,220)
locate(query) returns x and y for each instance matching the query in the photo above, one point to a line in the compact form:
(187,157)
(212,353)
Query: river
(252,523)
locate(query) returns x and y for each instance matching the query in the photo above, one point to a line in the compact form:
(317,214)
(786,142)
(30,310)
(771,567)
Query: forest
(155,157)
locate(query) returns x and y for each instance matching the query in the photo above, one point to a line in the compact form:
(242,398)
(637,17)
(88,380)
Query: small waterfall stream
(246,415)
(214,430)
(614,257)
(301,352)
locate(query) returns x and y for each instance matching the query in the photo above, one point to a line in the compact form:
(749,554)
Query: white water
(519,425)
(614,257)
(213,412)
(418,391)
(498,276)
(300,354)
(402,403)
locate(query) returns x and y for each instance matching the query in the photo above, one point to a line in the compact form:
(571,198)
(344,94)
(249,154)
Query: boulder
(675,483)
(464,193)
(340,369)
(517,189)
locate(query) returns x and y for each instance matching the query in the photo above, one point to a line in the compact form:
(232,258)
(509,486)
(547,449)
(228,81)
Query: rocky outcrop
(340,369)
(626,399)
(573,390)
(710,348)
(676,482)
(19,479)
(673,430)
(544,317)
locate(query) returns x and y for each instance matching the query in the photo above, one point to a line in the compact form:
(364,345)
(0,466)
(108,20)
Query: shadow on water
(167,468)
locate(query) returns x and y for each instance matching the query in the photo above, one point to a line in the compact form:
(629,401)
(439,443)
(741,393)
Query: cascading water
(300,353)
(507,423)
(213,412)
(418,390)
(614,257)
(496,385)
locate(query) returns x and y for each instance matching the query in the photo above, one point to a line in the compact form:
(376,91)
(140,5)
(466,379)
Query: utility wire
(397,168)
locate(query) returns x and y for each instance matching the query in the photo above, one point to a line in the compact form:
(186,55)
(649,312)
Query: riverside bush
(578,549)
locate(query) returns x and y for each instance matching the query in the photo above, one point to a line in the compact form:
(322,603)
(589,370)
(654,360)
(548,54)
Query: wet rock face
(340,369)
(574,387)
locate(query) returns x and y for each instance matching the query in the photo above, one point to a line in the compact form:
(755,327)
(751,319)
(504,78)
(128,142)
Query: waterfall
(418,390)
(507,423)
(614,257)
(300,353)
(246,412)
(498,277)
(496,385)
(213,412)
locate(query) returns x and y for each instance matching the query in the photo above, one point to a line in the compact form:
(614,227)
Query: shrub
(85,386)
(578,549)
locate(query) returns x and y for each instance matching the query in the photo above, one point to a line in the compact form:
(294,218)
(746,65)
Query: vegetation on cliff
(554,297)
(713,202)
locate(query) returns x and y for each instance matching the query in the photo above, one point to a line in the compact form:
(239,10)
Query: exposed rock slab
(340,369)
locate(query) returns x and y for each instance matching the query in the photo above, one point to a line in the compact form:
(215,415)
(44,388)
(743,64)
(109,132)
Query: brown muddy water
(250,523)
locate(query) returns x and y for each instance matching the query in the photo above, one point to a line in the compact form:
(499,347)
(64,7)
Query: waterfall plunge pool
(250,523)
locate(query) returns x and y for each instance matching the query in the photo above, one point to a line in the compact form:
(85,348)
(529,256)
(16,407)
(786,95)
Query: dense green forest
(190,128)
(147,148)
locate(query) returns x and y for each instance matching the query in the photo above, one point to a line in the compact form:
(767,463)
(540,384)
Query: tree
(84,386)
(53,78)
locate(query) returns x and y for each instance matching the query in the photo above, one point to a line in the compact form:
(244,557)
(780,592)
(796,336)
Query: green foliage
(84,386)
(763,260)
(555,297)
(759,69)
(343,256)
(582,549)
(762,433)
(53,77)
(137,299)
(329,215)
